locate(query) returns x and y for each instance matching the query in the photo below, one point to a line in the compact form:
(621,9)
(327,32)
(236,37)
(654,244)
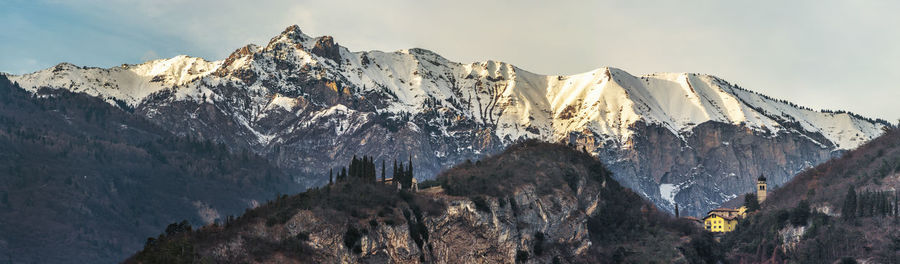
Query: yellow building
(721,224)
(724,220)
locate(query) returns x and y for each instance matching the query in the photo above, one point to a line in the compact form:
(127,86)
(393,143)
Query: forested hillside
(533,203)
(84,181)
(845,209)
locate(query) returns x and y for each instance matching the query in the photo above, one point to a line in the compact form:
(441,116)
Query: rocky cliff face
(712,165)
(308,104)
(529,221)
(461,233)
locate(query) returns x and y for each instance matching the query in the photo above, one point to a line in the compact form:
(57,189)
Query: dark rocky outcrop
(326,47)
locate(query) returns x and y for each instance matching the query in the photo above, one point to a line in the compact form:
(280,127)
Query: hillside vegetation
(84,181)
(535,202)
(845,209)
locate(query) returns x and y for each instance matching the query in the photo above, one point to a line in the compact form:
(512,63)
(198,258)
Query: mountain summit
(308,104)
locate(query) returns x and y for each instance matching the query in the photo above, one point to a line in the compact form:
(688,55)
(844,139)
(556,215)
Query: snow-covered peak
(178,70)
(291,36)
(606,102)
(126,83)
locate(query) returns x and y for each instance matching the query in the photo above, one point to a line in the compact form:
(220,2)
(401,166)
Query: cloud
(150,55)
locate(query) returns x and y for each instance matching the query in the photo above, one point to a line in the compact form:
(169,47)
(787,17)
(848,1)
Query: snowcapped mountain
(308,104)
(127,83)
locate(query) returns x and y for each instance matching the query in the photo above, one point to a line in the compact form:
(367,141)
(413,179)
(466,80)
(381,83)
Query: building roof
(723,209)
(761,178)
(720,216)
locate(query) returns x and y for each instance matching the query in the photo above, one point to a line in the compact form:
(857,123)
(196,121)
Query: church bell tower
(761,188)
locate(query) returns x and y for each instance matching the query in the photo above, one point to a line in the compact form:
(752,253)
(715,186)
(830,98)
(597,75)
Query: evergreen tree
(367,166)
(354,167)
(400,175)
(676,211)
(372,174)
(861,204)
(800,213)
(407,174)
(896,205)
(331,176)
(751,202)
(849,210)
(382,171)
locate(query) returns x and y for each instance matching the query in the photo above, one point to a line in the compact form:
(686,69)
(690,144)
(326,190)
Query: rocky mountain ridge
(308,103)
(574,212)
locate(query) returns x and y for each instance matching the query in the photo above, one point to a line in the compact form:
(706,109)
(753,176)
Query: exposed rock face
(461,234)
(712,165)
(309,104)
(570,213)
(325,47)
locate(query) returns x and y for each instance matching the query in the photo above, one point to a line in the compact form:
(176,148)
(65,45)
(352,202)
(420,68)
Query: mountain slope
(83,181)
(298,97)
(824,230)
(535,203)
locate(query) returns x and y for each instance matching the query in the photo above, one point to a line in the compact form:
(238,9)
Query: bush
(351,239)
(481,204)
(848,260)
(521,256)
(800,214)
(538,243)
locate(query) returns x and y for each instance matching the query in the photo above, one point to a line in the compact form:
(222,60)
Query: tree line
(870,203)
(364,170)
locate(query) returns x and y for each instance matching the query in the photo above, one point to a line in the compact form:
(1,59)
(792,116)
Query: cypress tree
(394,171)
(751,202)
(330,176)
(676,211)
(364,168)
(849,210)
(862,206)
(800,213)
(382,171)
(408,175)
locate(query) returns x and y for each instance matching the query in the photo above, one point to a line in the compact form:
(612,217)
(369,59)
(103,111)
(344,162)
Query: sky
(820,54)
